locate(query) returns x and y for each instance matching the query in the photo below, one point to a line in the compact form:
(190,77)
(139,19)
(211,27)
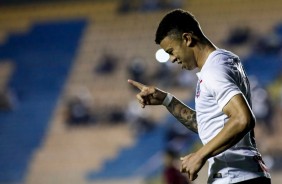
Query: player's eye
(170,52)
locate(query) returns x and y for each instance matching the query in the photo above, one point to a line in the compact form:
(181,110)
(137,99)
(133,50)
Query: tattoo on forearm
(183,114)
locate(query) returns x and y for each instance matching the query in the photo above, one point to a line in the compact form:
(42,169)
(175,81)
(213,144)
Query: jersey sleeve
(221,82)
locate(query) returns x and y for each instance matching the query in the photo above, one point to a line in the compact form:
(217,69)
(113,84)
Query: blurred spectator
(177,137)
(107,63)
(262,105)
(150,5)
(239,35)
(271,44)
(138,119)
(116,114)
(187,79)
(126,6)
(278,29)
(275,90)
(166,74)
(8,99)
(79,108)
(137,69)
(171,173)
(172,4)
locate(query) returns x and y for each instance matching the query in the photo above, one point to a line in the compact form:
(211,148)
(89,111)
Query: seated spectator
(139,121)
(115,114)
(165,74)
(177,138)
(79,109)
(8,100)
(261,105)
(137,69)
(107,63)
(239,35)
(271,44)
(150,5)
(126,6)
(275,89)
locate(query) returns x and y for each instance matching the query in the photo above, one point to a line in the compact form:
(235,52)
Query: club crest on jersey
(198,89)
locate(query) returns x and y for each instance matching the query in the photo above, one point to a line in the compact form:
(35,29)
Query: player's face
(179,52)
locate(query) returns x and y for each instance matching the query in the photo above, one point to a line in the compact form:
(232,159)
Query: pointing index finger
(136,84)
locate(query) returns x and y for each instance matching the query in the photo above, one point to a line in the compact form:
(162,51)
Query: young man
(223,117)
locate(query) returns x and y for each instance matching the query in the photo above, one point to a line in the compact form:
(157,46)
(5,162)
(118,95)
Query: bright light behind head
(162,56)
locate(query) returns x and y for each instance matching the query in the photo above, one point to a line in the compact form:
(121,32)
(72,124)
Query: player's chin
(184,67)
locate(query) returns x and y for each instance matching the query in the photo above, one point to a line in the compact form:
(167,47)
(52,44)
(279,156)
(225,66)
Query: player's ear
(187,37)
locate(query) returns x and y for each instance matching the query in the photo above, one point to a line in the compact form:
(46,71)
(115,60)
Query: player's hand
(148,95)
(192,164)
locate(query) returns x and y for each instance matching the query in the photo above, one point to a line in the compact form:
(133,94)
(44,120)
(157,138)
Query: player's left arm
(241,121)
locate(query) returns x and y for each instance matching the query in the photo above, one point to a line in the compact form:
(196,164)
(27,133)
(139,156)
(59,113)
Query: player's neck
(203,52)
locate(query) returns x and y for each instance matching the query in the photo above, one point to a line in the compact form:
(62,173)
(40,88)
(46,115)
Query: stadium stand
(42,59)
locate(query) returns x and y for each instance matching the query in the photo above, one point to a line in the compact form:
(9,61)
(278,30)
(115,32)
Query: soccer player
(222,117)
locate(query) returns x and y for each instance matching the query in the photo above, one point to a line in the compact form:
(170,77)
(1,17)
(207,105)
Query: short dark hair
(176,23)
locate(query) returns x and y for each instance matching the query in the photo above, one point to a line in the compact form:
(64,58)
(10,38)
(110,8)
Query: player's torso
(210,116)
(230,165)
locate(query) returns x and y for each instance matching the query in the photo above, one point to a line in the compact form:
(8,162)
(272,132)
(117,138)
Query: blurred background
(67,113)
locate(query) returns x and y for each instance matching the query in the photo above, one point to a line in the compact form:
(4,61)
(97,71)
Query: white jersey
(221,78)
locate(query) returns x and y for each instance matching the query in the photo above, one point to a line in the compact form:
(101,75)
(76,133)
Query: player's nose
(173,59)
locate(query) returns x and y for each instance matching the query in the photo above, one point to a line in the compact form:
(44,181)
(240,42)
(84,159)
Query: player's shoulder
(220,57)
(219,68)
(218,61)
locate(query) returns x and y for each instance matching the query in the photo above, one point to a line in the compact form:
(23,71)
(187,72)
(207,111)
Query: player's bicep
(239,110)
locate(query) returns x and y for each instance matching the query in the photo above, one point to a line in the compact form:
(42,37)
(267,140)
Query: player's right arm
(150,95)
(183,114)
